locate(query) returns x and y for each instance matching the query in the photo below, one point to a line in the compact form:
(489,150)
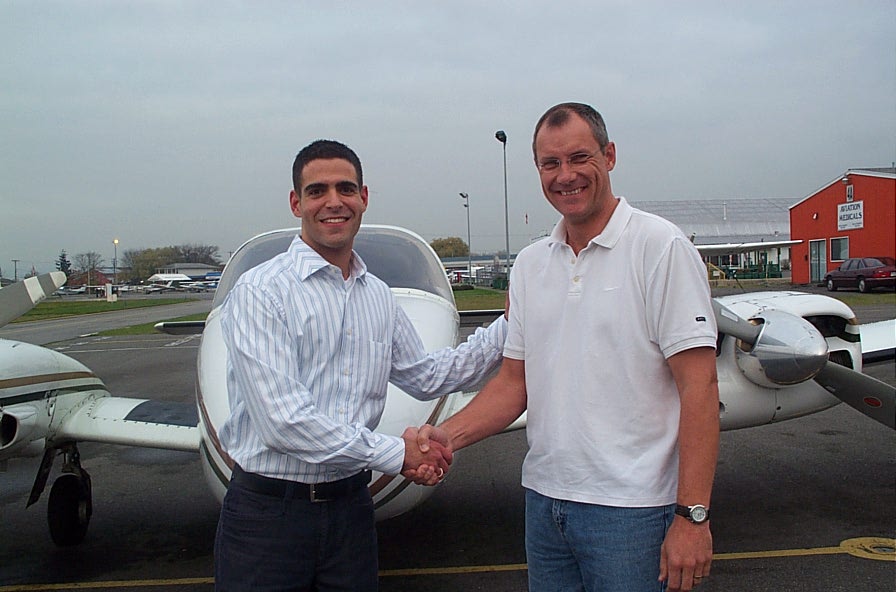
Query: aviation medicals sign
(849,215)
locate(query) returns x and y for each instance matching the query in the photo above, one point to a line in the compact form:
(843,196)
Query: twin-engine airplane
(780,355)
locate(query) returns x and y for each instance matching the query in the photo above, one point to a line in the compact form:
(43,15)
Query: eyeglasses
(552,164)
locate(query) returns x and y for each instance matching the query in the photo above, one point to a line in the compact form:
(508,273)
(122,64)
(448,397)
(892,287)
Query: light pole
(115,263)
(502,137)
(466,198)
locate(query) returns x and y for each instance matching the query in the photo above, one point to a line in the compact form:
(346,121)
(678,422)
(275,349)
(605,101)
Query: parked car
(864,274)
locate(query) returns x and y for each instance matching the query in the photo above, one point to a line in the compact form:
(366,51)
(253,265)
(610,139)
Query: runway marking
(109,584)
(431,571)
(876,548)
(124,349)
(155,342)
(182,340)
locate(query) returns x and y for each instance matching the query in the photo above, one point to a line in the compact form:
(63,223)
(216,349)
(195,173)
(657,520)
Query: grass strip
(148,328)
(54,309)
(479,299)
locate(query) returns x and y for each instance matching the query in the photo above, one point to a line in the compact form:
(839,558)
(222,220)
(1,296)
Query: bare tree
(88,262)
(190,253)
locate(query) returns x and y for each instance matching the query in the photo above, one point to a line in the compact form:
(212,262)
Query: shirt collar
(308,261)
(611,234)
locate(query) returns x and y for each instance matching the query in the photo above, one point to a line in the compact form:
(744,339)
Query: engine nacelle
(788,351)
(18,429)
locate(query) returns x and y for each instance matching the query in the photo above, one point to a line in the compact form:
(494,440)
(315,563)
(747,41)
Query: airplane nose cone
(789,350)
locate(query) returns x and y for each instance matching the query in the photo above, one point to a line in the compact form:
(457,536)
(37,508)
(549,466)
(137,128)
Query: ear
(295,204)
(364,197)
(610,156)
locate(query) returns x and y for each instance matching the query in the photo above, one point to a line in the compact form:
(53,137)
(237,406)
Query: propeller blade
(729,323)
(18,298)
(868,395)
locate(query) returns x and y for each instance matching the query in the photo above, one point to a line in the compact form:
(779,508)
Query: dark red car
(863,273)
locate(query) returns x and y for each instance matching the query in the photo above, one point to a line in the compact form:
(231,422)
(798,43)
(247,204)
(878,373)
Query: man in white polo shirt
(611,348)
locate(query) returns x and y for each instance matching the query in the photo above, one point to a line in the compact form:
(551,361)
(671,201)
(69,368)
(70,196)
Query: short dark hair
(323,149)
(558,115)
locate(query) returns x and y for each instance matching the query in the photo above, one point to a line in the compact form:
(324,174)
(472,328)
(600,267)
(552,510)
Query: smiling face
(330,203)
(578,186)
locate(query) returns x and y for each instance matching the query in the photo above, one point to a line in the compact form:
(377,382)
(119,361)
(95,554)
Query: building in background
(854,215)
(196,271)
(733,222)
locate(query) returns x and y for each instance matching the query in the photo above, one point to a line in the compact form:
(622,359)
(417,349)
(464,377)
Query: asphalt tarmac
(802,505)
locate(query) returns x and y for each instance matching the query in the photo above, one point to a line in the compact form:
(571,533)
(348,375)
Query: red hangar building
(852,216)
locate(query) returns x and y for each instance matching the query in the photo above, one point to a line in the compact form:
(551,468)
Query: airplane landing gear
(70,504)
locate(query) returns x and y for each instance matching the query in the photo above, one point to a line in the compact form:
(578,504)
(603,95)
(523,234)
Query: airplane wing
(878,341)
(180,327)
(18,298)
(167,425)
(478,318)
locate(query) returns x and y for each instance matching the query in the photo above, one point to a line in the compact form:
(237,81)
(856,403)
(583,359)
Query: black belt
(315,492)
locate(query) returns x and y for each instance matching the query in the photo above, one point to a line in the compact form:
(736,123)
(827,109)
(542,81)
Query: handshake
(427,454)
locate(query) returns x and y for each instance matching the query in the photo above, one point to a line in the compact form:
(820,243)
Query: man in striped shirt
(313,340)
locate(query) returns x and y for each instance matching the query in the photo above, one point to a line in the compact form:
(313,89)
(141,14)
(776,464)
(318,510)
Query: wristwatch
(697,514)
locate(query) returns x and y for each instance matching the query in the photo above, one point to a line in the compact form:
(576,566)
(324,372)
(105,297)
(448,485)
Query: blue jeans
(271,543)
(571,546)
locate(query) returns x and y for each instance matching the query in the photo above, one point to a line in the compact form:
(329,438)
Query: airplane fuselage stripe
(41,394)
(42,378)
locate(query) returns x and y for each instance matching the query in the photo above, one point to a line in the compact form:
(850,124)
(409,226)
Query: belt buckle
(315,498)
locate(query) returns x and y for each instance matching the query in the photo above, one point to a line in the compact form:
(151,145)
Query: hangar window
(839,249)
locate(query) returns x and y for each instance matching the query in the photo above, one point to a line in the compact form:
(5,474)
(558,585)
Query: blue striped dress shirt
(310,355)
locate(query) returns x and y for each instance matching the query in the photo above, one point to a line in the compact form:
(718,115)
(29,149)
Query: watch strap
(685,511)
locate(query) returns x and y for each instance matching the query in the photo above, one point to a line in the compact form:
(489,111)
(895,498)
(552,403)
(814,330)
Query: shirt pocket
(376,365)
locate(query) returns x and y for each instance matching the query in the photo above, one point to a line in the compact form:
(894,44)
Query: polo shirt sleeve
(514,345)
(679,302)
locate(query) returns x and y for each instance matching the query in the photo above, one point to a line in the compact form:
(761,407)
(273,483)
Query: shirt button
(346,371)
(576,279)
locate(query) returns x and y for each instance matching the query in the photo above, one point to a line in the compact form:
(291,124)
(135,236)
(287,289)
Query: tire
(69,510)
(863,286)
(831,286)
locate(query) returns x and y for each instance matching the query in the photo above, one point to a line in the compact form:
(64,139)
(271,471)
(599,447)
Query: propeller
(730,323)
(873,397)
(18,298)
(779,349)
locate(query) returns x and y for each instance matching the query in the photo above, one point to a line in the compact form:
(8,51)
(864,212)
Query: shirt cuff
(388,455)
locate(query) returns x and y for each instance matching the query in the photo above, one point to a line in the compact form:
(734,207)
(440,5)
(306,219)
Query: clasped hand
(427,455)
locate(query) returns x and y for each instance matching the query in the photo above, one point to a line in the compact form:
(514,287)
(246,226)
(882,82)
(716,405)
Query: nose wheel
(70,504)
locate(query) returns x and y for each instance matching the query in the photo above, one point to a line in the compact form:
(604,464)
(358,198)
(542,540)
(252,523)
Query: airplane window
(396,257)
(402,261)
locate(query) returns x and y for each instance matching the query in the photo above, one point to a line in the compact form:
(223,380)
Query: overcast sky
(164,123)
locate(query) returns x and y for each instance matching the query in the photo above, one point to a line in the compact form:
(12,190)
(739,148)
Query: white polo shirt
(595,331)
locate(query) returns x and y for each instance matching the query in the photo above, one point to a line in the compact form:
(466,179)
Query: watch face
(698,513)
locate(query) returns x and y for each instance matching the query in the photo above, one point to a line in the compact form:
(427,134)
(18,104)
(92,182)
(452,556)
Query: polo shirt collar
(612,231)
